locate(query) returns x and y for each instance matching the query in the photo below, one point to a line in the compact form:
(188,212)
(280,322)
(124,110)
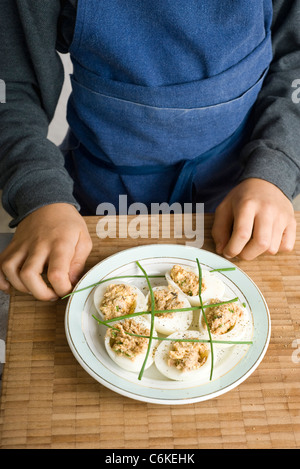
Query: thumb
(222,226)
(82,251)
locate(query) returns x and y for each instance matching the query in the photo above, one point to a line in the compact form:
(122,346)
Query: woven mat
(49,401)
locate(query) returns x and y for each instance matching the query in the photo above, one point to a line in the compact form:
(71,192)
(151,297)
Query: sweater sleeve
(273,153)
(32,172)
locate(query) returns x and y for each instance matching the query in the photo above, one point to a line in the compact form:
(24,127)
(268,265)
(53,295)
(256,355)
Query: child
(171,101)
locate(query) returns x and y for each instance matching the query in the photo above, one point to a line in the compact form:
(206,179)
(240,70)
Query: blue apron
(162,92)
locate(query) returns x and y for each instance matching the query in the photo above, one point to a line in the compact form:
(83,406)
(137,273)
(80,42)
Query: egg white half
(161,360)
(180,320)
(133,365)
(214,286)
(241,331)
(100,291)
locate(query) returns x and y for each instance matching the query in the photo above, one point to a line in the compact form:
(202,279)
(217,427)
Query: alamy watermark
(2,91)
(296,352)
(296,92)
(162,221)
(2,351)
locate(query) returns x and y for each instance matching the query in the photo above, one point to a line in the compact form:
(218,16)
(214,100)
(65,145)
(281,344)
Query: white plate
(232,366)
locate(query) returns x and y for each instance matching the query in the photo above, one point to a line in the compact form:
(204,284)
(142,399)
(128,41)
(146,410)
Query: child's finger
(289,237)
(10,267)
(222,227)
(31,275)
(59,267)
(82,251)
(261,237)
(242,231)
(277,234)
(4,284)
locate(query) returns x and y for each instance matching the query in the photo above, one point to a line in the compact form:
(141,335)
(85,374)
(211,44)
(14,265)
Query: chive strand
(205,319)
(153,312)
(166,311)
(231,342)
(223,269)
(107,280)
(132,276)
(152,320)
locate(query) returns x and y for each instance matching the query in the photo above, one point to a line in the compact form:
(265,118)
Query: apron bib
(161,97)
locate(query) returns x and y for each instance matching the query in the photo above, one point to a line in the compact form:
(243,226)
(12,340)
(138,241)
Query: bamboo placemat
(49,401)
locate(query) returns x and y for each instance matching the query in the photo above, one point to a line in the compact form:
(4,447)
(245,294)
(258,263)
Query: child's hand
(255,217)
(55,236)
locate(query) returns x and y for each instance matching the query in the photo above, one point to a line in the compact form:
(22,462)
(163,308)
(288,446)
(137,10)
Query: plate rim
(168,246)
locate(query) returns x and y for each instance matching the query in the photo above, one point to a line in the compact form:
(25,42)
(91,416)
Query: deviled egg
(118,299)
(167,298)
(182,361)
(126,350)
(187,281)
(229,321)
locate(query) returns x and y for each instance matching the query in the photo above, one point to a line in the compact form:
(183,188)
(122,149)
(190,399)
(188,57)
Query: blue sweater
(32,170)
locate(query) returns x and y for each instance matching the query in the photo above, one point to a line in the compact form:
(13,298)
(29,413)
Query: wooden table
(49,401)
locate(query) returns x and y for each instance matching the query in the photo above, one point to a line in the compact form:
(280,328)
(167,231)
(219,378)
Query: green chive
(165,311)
(232,342)
(223,269)
(107,280)
(153,312)
(132,276)
(205,319)
(152,320)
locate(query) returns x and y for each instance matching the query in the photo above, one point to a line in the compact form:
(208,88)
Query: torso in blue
(161,94)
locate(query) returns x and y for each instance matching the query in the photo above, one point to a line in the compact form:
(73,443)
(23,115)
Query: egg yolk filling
(166,299)
(187,356)
(222,319)
(127,345)
(118,300)
(187,281)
